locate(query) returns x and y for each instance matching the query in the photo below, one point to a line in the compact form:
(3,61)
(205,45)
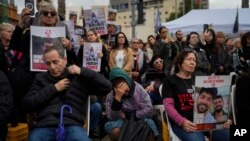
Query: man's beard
(217,110)
(202,108)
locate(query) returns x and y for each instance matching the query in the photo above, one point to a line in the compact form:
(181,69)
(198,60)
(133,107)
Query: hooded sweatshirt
(138,101)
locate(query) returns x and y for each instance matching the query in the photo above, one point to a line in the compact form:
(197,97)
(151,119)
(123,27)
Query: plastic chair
(232,98)
(172,135)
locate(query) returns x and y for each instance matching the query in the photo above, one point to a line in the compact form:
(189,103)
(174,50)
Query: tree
(245,4)
(61,8)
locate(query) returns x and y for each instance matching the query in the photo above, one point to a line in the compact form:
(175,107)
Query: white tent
(221,20)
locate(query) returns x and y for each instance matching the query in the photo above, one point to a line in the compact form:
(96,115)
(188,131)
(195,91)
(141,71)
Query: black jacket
(6,98)
(44,100)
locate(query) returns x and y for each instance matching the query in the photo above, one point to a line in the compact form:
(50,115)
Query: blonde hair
(43,5)
(3,27)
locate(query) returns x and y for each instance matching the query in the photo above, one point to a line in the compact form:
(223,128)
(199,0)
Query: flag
(157,21)
(236,22)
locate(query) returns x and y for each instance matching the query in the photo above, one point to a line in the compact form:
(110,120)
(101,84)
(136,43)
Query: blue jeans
(95,111)
(188,136)
(217,135)
(221,135)
(72,133)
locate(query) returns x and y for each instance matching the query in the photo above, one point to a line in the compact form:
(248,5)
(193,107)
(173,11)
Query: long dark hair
(116,45)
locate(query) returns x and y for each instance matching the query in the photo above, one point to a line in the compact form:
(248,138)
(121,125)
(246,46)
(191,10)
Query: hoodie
(137,102)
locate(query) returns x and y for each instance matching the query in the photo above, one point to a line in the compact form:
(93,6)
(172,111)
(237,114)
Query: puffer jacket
(44,100)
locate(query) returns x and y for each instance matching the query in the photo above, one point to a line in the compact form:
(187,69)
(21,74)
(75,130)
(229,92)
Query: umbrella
(60,132)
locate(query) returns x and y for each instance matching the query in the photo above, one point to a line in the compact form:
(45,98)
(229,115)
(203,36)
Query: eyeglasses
(158,62)
(46,13)
(26,14)
(135,42)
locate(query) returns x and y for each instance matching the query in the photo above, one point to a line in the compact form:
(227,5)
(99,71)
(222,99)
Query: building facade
(8,12)
(124,15)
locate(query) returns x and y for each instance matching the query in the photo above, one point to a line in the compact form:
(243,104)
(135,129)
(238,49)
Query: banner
(90,56)
(211,101)
(42,38)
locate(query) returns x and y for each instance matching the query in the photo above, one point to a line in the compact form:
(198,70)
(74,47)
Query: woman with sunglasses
(21,78)
(154,77)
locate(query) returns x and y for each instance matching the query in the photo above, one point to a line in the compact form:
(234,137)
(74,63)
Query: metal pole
(176,9)
(133,22)
(183,1)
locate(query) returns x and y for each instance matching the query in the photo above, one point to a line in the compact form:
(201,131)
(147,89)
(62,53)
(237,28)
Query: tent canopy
(221,20)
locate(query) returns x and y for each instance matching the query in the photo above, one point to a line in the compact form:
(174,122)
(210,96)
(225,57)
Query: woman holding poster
(178,94)
(86,56)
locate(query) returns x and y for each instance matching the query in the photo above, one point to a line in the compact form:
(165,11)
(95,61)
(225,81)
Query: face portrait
(179,36)
(122,83)
(48,17)
(194,39)
(91,36)
(204,101)
(112,16)
(158,64)
(73,18)
(55,63)
(121,38)
(218,104)
(135,43)
(189,63)
(163,33)
(151,41)
(6,33)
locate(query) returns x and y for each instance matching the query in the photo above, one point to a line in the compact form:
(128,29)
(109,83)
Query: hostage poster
(90,56)
(42,38)
(95,19)
(211,101)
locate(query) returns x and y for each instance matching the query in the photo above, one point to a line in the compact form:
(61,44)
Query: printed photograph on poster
(42,38)
(112,15)
(211,101)
(73,17)
(95,19)
(90,56)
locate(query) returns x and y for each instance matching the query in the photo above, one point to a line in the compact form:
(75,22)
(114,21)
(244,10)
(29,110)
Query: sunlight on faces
(189,63)
(55,63)
(204,101)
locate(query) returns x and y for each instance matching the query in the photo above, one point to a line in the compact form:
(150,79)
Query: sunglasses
(46,13)
(135,42)
(158,62)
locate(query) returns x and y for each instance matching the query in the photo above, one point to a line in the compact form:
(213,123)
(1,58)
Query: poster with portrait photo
(73,17)
(211,101)
(112,13)
(95,19)
(42,38)
(90,56)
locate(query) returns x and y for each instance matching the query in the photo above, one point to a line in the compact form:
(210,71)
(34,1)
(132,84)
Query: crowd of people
(127,84)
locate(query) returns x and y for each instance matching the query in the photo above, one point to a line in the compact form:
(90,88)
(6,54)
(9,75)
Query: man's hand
(66,44)
(62,84)
(74,69)
(25,15)
(228,123)
(189,126)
